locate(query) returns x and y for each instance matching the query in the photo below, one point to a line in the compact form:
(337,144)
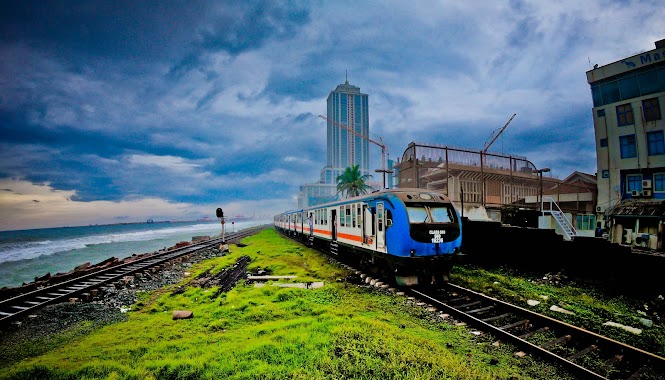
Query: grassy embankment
(590,306)
(339,331)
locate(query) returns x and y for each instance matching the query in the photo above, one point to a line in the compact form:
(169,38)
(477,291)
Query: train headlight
(413,252)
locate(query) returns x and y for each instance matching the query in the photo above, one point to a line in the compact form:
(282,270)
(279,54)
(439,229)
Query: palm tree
(352,183)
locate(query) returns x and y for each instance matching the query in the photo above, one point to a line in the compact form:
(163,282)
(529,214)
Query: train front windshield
(430,214)
(432,223)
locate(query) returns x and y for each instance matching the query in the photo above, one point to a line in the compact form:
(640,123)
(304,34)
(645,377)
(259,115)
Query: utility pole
(492,139)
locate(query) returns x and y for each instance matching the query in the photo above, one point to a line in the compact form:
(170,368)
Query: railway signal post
(223,246)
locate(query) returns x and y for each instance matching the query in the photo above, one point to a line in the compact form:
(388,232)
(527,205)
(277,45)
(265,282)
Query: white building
(628,97)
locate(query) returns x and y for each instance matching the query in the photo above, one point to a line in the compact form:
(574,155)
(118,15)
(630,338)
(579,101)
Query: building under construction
(495,186)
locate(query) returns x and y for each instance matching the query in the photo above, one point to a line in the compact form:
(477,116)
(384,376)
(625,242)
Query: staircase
(569,232)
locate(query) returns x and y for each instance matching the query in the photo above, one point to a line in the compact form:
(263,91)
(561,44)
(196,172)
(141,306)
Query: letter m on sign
(646,58)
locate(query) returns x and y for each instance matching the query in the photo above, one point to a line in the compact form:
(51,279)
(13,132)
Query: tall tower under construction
(347,106)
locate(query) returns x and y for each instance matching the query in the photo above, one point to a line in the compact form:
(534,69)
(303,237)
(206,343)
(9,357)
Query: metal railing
(569,232)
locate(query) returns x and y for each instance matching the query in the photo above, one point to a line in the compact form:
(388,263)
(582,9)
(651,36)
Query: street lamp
(540,172)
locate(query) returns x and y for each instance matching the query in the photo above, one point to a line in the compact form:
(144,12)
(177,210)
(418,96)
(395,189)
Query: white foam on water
(16,251)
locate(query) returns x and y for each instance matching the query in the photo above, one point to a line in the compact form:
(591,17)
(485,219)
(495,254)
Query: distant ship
(150,221)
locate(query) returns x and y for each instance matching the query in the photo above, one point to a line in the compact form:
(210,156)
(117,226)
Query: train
(409,236)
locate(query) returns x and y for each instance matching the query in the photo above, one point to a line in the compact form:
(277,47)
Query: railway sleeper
(636,374)
(468,305)
(530,333)
(561,339)
(481,310)
(523,322)
(611,362)
(496,317)
(581,353)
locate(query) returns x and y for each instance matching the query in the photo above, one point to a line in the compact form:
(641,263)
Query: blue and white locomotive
(414,235)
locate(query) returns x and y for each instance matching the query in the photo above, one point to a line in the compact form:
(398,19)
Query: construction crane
(493,137)
(384,149)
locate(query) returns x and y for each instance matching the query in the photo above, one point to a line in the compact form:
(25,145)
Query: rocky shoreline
(107,307)
(48,279)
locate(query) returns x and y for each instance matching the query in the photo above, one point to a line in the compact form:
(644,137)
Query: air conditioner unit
(642,240)
(646,183)
(635,193)
(627,237)
(600,209)
(646,193)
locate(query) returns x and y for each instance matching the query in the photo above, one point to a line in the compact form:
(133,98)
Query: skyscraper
(347,106)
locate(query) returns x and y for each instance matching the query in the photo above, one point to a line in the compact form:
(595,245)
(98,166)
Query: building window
(656,143)
(605,173)
(610,92)
(603,143)
(625,115)
(586,222)
(628,146)
(600,113)
(629,87)
(634,182)
(649,82)
(659,182)
(651,109)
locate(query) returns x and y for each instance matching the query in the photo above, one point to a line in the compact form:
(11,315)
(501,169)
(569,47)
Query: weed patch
(338,331)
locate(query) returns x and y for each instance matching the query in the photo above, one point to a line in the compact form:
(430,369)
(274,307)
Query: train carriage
(412,234)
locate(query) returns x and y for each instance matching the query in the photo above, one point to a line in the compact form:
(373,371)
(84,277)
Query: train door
(380,227)
(333,223)
(363,224)
(369,225)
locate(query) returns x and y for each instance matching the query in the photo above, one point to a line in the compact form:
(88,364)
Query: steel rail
(643,360)
(12,308)
(476,303)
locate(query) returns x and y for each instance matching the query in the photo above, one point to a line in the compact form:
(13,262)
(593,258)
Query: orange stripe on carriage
(350,237)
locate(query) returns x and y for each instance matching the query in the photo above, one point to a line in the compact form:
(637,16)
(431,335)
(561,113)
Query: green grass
(339,331)
(590,306)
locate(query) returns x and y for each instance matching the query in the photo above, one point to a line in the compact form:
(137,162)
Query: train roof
(403,194)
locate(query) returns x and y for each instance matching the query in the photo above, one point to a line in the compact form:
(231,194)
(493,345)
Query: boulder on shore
(182,314)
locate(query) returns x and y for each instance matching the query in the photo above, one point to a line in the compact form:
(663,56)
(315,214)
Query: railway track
(86,285)
(584,353)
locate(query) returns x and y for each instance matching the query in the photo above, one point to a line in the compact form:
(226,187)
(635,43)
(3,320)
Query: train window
(417,214)
(359,216)
(353,216)
(442,214)
(341,217)
(347,210)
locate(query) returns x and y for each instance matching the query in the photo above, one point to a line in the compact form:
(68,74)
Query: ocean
(27,254)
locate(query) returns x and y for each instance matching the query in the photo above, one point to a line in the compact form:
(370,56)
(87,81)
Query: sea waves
(25,250)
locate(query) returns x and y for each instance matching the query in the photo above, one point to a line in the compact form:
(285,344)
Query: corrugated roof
(638,207)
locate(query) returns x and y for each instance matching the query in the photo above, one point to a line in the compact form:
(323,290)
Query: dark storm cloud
(122,29)
(246,25)
(200,102)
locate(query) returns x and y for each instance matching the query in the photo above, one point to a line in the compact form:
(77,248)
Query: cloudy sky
(126,110)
